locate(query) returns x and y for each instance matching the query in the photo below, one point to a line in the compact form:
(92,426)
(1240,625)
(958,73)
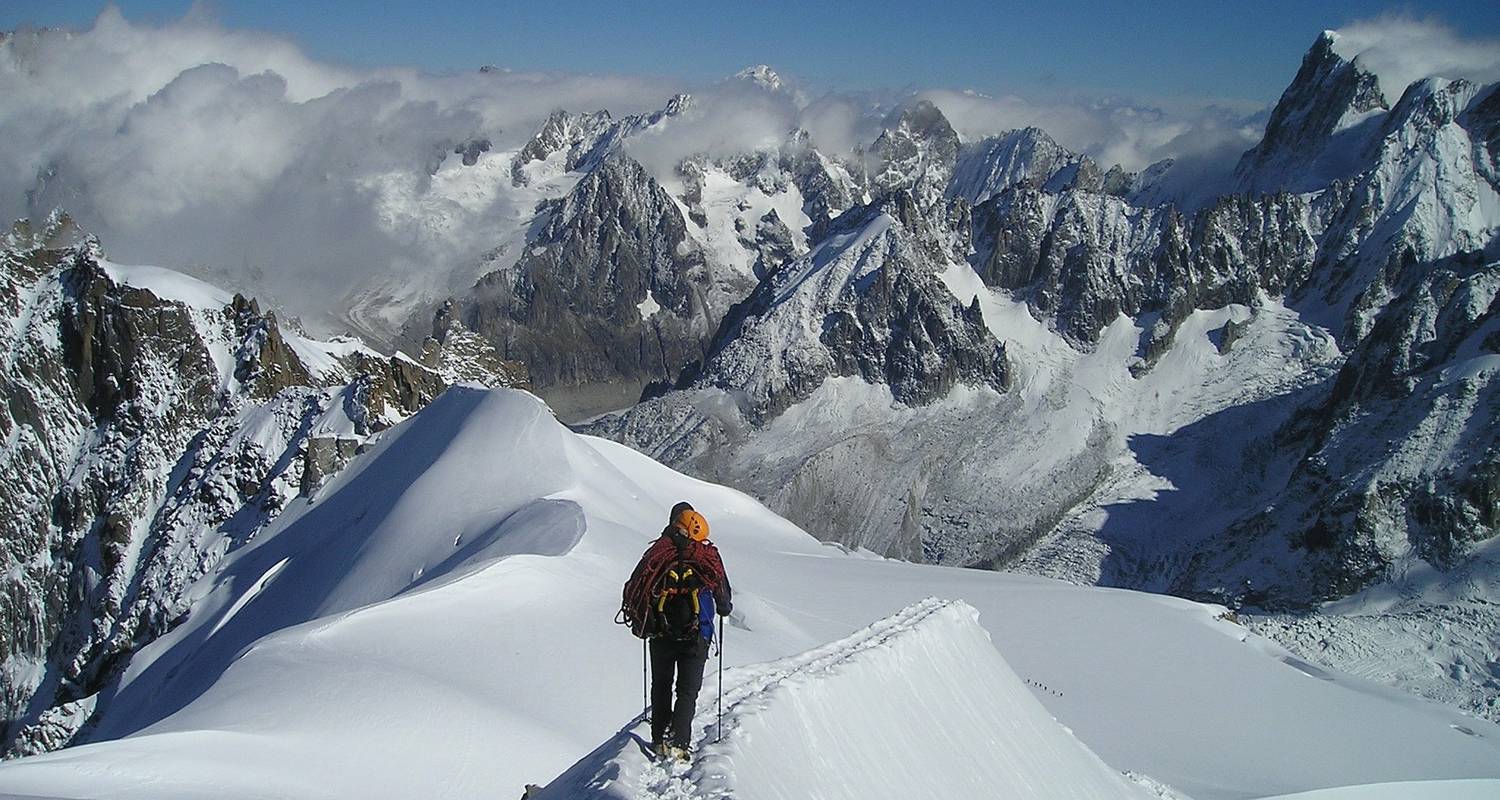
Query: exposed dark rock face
(772,243)
(472,150)
(827,187)
(916,153)
(882,312)
(1413,207)
(577,134)
(1027,156)
(150,438)
(1081,256)
(459,355)
(135,471)
(323,457)
(906,332)
(266,365)
(1483,118)
(1084,257)
(611,287)
(1359,219)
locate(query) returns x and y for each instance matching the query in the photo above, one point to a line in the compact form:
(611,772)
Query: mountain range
(1278,396)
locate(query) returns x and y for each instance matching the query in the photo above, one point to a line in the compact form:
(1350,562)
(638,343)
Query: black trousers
(683,659)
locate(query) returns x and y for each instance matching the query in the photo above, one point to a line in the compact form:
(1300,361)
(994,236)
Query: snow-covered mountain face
(153,424)
(627,275)
(1323,338)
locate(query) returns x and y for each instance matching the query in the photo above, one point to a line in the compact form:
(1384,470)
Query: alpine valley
(990,370)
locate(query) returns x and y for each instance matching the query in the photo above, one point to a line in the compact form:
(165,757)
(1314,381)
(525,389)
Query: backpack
(668,595)
(678,605)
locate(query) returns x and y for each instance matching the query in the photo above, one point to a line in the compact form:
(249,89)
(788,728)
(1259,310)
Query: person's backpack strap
(679,580)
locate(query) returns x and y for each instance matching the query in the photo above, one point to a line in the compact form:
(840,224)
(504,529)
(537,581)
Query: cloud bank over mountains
(195,146)
(1401,50)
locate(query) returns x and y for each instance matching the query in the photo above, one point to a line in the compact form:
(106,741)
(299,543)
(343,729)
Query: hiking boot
(661,749)
(679,752)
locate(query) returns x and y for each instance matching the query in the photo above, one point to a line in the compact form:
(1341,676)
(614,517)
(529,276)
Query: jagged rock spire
(1329,96)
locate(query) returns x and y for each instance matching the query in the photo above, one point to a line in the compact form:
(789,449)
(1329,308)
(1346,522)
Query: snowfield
(946,697)
(437,622)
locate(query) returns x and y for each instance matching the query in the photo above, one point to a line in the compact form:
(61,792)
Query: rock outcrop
(152,429)
(611,287)
(867,302)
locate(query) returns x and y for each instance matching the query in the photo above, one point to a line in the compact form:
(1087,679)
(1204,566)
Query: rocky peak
(1482,119)
(470,151)
(148,436)
(57,232)
(827,185)
(773,244)
(916,152)
(867,302)
(1429,104)
(459,355)
(678,104)
(1418,200)
(610,287)
(760,76)
(588,139)
(112,335)
(577,134)
(1320,122)
(1028,154)
(1399,463)
(264,363)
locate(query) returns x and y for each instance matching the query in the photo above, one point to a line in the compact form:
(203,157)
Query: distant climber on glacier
(670,601)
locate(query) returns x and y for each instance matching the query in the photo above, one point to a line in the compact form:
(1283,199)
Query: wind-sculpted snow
(919,704)
(372,537)
(437,621)
(970,354)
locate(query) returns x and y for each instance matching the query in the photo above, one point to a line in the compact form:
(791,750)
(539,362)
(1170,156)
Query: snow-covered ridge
(169,284)
(160,423)
(382,640)
(954,720)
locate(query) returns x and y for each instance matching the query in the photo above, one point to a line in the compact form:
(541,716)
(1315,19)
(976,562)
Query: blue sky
(1162,50)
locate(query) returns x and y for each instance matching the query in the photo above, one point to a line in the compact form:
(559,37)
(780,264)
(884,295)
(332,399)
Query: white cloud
(735,118)
(1401,50)
(1109,130)
(191,145)
(187,144)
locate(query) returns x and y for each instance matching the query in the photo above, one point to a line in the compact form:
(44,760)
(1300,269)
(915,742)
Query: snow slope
(437,623)
(805,726)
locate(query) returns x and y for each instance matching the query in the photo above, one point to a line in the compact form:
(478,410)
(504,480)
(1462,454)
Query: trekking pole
(645,684)
(719,729)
